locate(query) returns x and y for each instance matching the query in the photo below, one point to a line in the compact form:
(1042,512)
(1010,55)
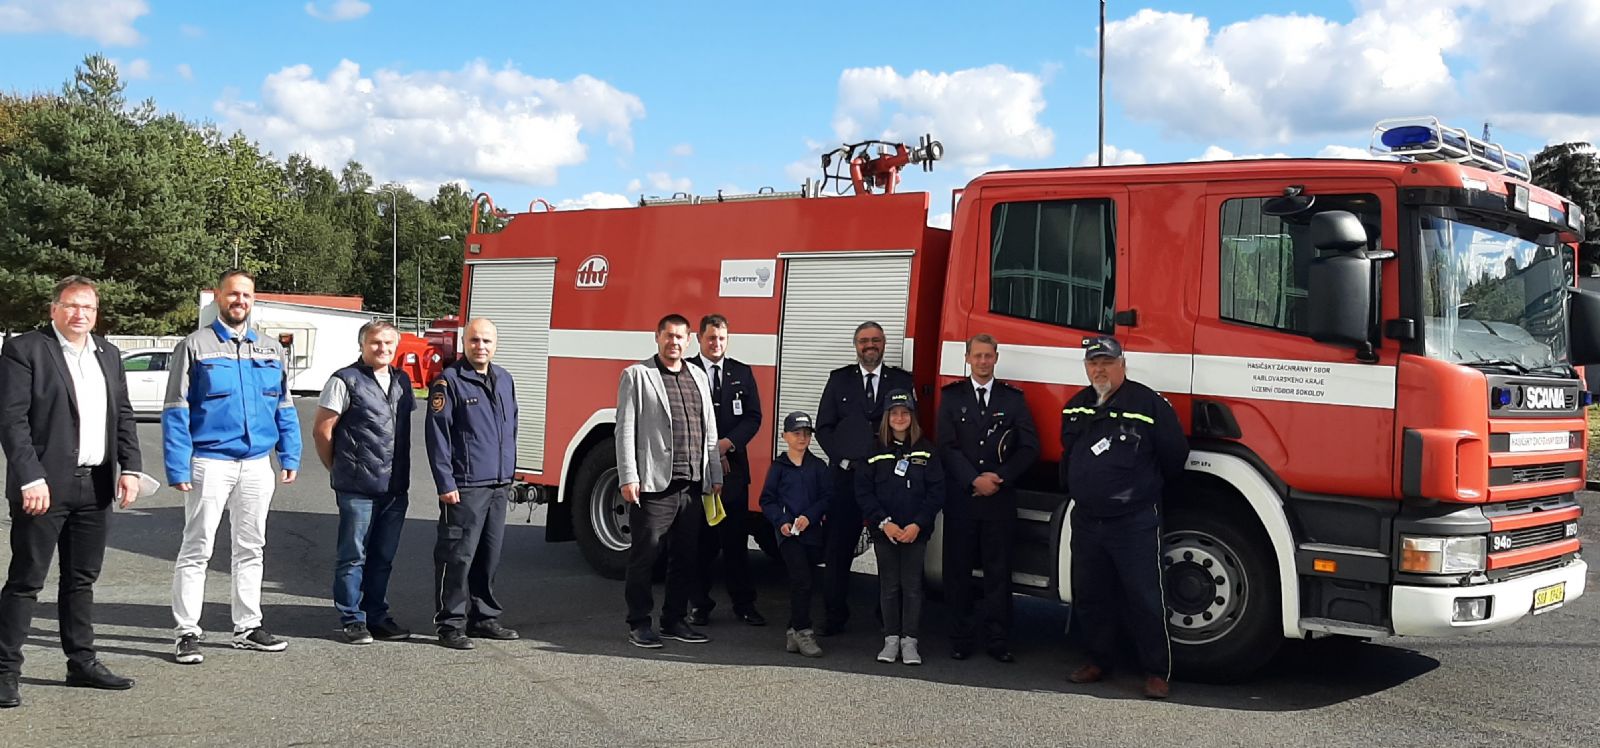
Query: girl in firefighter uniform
(901,490)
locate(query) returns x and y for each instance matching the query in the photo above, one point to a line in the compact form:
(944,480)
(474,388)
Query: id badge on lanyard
(901,467)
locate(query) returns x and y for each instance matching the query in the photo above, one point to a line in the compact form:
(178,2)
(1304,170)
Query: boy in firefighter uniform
(901,490)
(988,442)
(795,498)
(1121,447)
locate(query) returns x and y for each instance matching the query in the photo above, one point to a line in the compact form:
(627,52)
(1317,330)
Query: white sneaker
(908,651)
(891,649)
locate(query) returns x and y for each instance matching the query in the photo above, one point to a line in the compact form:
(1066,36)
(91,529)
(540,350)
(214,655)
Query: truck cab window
(1052,261)
(1265,258)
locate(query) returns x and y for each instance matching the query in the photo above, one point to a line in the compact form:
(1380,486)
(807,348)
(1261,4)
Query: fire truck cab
(1374,361)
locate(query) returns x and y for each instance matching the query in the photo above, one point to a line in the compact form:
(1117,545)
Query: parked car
(146,371)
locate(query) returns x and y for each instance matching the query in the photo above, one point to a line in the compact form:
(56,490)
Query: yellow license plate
(1546,598)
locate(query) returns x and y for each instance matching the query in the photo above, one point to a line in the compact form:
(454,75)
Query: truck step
(1344,628)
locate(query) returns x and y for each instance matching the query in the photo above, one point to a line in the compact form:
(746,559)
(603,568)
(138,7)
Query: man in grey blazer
(667,459)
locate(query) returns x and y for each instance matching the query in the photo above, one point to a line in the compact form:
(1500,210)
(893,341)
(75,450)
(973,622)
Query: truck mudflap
(1432,611)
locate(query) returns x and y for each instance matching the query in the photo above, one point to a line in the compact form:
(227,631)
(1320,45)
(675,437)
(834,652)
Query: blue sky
(592,104)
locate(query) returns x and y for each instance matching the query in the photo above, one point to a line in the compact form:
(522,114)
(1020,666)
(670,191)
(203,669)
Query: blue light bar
(1428,139)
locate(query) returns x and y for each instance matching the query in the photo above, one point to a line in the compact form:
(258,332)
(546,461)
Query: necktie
(983,398)
(716,382)
(871,393)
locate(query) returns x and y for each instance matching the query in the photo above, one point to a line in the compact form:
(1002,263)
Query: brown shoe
(1090,673)
(1155,687)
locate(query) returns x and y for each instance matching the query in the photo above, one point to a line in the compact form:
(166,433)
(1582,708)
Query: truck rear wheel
(1223,600)
(599,515)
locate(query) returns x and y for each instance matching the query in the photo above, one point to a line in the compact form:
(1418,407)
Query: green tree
(1572,170)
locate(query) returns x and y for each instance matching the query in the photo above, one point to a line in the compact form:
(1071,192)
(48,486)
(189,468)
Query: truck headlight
(1421,554)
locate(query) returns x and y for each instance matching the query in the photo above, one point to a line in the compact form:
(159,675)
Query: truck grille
(1510,476)
(1527,569)
(1531,536)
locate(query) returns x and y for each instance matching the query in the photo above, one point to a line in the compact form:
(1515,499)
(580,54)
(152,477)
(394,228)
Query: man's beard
(1102,390)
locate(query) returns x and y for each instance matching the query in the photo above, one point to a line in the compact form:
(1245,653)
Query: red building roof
(352,303)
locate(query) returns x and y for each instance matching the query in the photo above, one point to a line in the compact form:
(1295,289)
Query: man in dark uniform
(1121,446)
(472,450)
(988,441)
(738,407)
(847,428)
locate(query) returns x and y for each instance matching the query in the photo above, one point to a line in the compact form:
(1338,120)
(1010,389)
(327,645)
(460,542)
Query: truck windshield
(1492,297)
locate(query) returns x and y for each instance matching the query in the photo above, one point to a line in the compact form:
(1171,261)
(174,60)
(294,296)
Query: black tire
(1220,632)
(604,546)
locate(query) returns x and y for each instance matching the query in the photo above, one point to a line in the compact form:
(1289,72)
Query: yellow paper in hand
(714,510)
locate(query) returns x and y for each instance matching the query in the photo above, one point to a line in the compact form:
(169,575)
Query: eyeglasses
(85,308)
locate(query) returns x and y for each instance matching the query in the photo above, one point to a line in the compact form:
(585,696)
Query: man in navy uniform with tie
(988,442)
(738,406)
(847,428)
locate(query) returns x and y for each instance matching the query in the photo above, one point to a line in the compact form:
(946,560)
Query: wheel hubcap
(608,513)
(1206,588)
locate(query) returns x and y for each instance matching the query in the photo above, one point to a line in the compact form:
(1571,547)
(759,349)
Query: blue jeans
(369,535)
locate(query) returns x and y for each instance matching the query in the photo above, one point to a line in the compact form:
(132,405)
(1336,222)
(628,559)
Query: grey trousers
(900,585)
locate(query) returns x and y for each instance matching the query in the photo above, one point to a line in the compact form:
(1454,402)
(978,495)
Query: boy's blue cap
(899,399)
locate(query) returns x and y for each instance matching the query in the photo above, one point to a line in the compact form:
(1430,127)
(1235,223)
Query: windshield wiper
(1503,364)
(1557,369)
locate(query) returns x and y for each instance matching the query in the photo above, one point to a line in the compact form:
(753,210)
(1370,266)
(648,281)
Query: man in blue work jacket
(228,407)
(1121,448)
(472,450)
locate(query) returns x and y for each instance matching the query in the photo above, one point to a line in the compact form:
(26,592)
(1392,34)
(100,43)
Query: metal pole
(394,253)
(1100,153)
(419,291)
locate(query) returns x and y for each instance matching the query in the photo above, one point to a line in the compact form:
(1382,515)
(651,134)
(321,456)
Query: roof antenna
(1486,137)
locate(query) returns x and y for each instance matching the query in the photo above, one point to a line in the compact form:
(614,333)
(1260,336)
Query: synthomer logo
(592,272)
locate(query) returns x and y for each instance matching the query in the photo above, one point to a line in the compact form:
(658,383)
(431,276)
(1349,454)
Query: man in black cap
(988,441)
(1121,447)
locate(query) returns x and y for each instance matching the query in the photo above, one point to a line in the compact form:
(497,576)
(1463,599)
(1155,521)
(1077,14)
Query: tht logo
(593,271)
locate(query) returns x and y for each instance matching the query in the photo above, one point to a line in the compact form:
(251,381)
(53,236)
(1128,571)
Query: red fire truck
(1374,360)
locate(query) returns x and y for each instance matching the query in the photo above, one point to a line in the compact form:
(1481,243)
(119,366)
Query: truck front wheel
(599,515)
(1223,601)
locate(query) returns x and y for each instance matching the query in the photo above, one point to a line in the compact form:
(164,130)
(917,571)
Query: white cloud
(799,171)
(1524,66)
(109,22)
(191,31)
(683,150)
(594,200)
(1218,153)
(474,123)
(664,182)
(1345,151)
(1115,157)
(185,72)
(978,113)
(339,10)
(137,69)
(635,185)
(1277,78)
(940,220)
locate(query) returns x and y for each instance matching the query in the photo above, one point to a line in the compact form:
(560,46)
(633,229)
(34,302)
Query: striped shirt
(688,421)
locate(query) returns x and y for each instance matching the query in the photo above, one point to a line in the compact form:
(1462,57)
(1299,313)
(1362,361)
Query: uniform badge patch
(437,402)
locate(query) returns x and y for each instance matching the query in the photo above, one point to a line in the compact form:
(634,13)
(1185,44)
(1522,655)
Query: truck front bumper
(1429,611)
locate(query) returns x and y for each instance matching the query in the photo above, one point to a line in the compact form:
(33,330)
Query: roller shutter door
(824,298)
(516,296)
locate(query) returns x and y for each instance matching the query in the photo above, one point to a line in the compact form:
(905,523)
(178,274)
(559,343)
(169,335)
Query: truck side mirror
(1339,287)
(1584,332)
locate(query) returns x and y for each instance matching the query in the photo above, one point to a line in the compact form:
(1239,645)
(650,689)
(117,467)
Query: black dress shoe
(94,674)
(454,639)
(10,695)
(751,616)
(960,653)
(1002,654)
(491,629)
(681,632)
(698,616)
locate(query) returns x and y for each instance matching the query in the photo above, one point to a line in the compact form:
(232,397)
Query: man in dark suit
(847,428)
(738,406)
(68,433)
(988,442)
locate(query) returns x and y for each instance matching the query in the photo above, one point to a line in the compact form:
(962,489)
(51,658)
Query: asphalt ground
(573,680)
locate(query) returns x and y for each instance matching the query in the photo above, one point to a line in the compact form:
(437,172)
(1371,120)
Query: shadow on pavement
(561,606)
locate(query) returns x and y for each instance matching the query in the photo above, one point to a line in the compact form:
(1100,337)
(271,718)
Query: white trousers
(244,489)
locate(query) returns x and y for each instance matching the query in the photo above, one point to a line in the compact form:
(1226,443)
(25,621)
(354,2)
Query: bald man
(472,450)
